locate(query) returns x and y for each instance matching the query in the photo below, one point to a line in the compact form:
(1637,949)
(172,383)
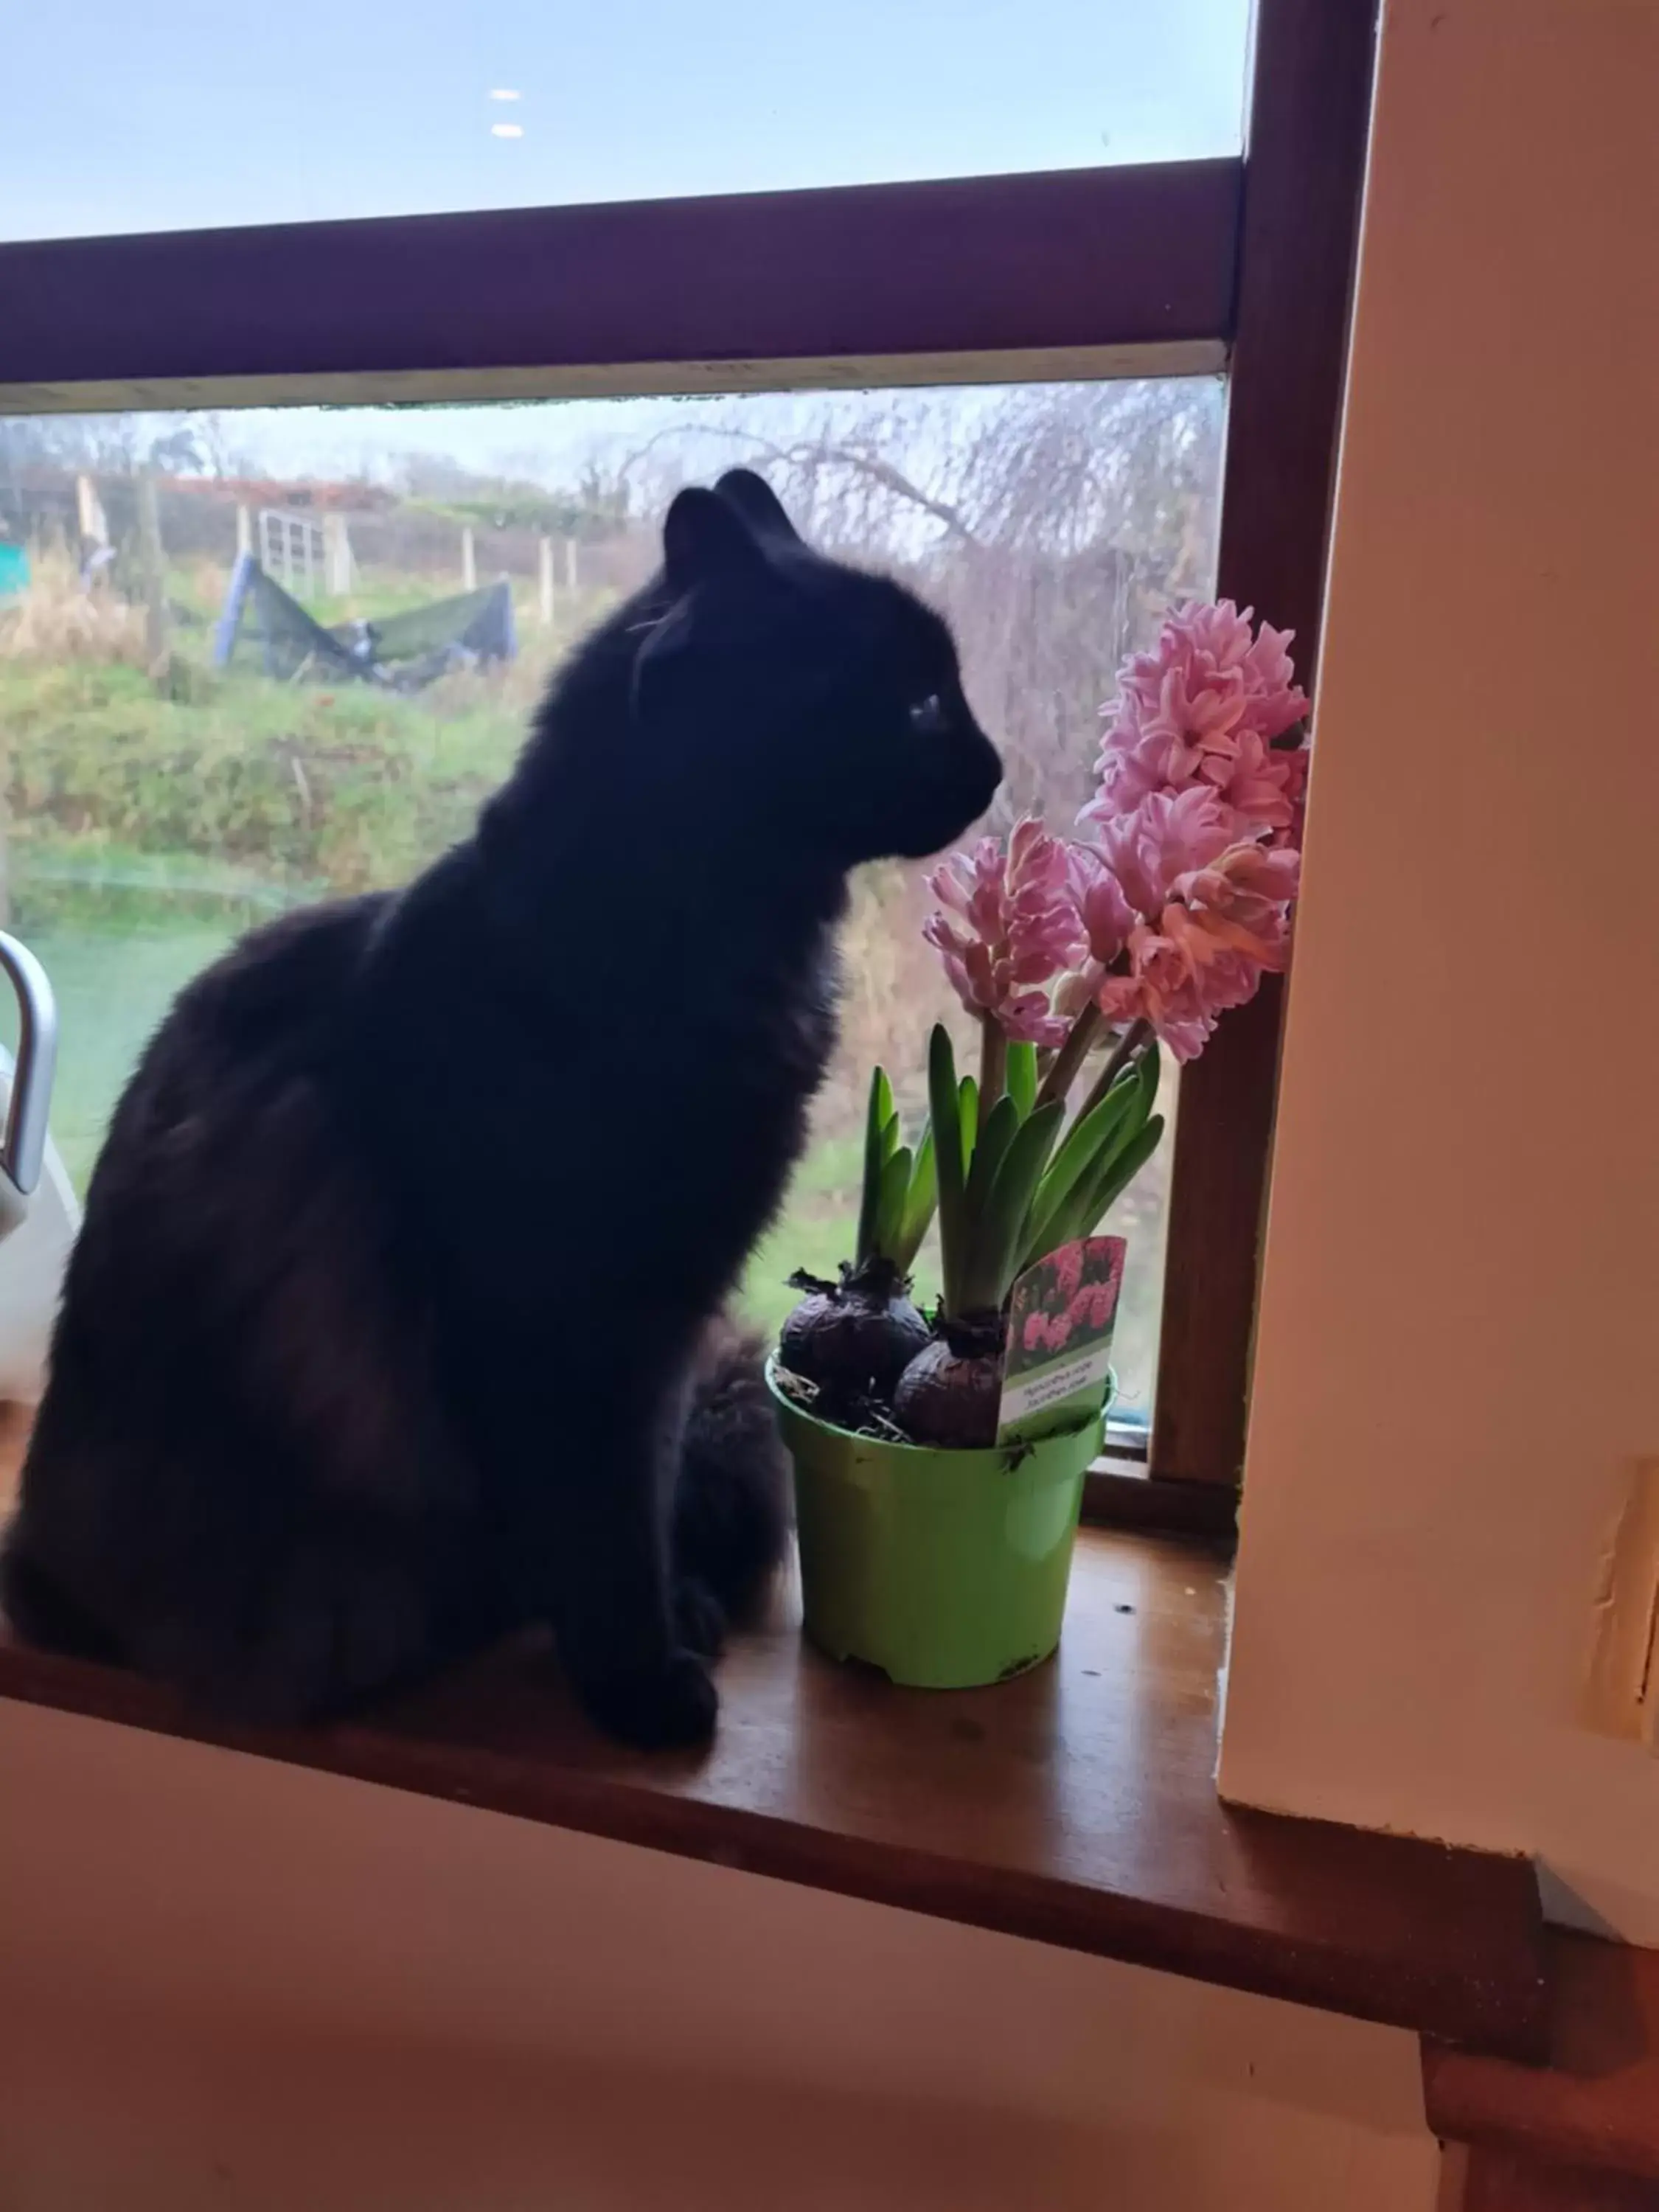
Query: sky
(546,441)
(124,115)
(551,442)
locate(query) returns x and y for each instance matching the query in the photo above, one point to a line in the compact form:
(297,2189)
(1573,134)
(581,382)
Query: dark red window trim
(1109,259)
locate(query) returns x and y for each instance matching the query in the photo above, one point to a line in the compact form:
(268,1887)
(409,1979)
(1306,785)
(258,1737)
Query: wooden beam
(1132,258)
(1303,166)
(1595,2104)
(1502,2181)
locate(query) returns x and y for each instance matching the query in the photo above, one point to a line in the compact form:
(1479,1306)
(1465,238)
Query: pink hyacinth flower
(1007,925)
(1179,981)
(1093,1306)
(1067,1265)
(1203,707)
(1169,834)
(1105,912)
(1239,904)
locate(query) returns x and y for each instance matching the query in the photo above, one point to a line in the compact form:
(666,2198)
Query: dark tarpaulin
(263,627)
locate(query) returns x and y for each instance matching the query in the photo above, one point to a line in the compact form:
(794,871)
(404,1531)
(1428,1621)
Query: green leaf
(994,1140)
(1086,1143)
(881,1104)
(1021,1078)
(1002,1223)
(969,1113)
(877,1114)
(1057,1224)
(1118,1158)
(1118,1174)
(890,1212)
(946,1102)
(919,1201)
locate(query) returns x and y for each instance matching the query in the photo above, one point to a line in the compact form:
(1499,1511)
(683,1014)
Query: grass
(344,788)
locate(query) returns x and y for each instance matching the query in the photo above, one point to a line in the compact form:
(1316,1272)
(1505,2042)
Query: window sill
(1119,1492)
(1076,1806)
(1595,2105)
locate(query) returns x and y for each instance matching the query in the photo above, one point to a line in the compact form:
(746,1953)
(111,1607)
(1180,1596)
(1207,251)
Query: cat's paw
(672,1706)
(699,1618)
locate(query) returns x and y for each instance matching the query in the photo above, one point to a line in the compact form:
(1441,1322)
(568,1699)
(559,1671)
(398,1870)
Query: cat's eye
(929,718)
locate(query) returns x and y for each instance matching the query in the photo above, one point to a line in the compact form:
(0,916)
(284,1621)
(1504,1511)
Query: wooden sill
(1076,1806)
(1120,1494)
(1594,2107)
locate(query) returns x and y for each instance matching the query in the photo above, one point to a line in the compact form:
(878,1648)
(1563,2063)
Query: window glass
(191,741)
(181,115)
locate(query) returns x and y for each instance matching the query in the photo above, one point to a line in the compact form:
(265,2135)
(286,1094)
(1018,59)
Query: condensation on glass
(250,660)
(186,116)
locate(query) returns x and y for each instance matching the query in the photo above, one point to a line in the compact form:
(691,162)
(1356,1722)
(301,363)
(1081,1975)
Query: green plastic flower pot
(945,1568)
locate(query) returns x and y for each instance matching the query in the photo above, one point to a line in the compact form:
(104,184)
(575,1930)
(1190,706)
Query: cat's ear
(758,503)
(705,540)
(660,665)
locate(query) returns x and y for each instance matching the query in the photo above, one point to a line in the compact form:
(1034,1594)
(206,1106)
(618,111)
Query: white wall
(226,1983)
(1459,1343)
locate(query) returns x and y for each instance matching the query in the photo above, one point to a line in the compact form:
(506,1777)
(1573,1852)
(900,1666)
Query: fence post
(336,555)
(89,512)
(152,563)
(545,581)
(244,531)
(570,564)
(469,561)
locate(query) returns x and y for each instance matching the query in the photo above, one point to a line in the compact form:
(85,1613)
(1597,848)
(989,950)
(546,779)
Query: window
(172,119)
(152,820)
(920,316)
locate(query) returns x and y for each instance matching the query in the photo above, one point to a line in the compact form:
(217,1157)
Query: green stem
(1063,1069)
(1128,1046)
(993,1067)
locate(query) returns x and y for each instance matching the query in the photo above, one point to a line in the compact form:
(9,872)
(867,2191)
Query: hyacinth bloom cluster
(1092,1308)
(1179,901)
(1206,708)
(1087,1305)
(1008,925)
(1208,915)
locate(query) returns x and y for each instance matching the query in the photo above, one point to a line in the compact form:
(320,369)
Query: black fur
(389,1327)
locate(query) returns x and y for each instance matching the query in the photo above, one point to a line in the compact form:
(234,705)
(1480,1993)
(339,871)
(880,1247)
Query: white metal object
(39,1216)
(23,1145)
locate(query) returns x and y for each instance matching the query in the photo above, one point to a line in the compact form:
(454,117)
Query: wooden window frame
(1170,268)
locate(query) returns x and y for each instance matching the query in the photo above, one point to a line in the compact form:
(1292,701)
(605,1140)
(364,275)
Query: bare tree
(1052,523)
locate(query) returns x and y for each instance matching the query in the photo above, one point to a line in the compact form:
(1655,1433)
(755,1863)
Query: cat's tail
(731,1521)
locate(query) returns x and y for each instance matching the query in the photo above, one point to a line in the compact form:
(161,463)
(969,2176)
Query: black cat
(393,1324)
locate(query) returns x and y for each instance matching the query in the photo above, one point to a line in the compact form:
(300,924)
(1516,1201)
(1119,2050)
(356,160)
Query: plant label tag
(1060,1320)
